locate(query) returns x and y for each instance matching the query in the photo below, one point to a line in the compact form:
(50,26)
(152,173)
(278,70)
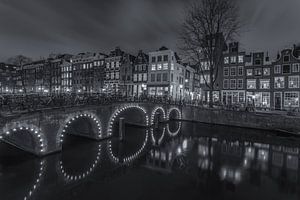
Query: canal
(178,160)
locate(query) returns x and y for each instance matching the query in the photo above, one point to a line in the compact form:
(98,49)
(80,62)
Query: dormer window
(286,58)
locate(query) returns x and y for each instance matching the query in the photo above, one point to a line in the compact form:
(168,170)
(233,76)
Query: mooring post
(121,128)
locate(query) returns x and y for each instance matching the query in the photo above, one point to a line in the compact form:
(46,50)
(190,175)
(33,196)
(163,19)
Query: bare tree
(208,26)
(20,61)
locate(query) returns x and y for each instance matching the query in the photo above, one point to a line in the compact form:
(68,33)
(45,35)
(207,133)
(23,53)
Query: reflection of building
(165,74)
(189,83)
(140,74)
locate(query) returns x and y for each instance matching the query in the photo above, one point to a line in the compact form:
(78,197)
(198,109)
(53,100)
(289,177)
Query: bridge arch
(121,110)
(129,158)
(80,176)
(155,110)
(174,133)
(176,111)
(76,116)
(160,139)
(10,135)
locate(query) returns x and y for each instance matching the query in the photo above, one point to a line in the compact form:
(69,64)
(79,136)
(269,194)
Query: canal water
(178,160)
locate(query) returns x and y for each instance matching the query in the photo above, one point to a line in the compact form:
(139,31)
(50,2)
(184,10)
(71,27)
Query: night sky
(39,27)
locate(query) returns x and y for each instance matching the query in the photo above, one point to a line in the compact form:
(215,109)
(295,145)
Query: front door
(278,100)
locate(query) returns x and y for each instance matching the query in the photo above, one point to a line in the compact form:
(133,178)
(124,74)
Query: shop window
(291,99)
(293,81)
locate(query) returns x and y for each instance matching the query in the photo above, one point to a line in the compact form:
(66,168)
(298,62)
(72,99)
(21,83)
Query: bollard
(121,128)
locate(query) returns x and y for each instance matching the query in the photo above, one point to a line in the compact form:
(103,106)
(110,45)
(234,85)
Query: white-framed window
(291,99)
(145,77)
(293,81)
(249,72)
(166,66)
(233,59)
(225,84)
(264,83)
(295,67)
(232,71)
(232,83)
(251,83)
(241,59)
(240,83)
(266,71)
(226,71)
(159,67)
(240,71)
(226,60)
(277,69)
(279,82)
(153,67)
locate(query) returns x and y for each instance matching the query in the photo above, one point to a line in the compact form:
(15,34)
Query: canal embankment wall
(257,120)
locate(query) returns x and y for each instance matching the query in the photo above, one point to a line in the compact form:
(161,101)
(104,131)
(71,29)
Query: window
(233,59)
(286,58)
(117,64)
(295,67)
(258,72)
(264,84)
(278,82)
(249,72)
(153,67)
(251,84)
(226,71)
(134,77)
(277,69)
(257,62)
(153,59)
(158,77)
(117,75)
(293,81)
(225,83)
(266,71)
(232,84)
(166,66)
(165,77)
(233,71)
(166,58)
(241,59)
(152,77)
(158,66)
(265,100)
(145,77)
(286,69)
(158,58)
(240,71)
(172,66)
(291,99)
(226,60)
(171,77)
(140,77)
(240,84)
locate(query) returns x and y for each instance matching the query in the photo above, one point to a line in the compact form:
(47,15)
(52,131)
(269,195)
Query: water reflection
(212,163)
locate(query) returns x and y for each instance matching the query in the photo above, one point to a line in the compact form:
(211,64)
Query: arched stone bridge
(43,133)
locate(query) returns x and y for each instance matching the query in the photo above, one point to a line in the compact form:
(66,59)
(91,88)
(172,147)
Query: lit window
(145,77)
(112,65)
(295,67)
(134,77)
(291,99)
(166,66)
(172,66)
(140,77)
(264,84)
(226,60)
(251,84)
(153,67)
(233,59)
(249,72)
(159,67)
(277,69)
(117,64)
(293,81)
(279,82)
(266,71)
(258,72)
(241,59)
